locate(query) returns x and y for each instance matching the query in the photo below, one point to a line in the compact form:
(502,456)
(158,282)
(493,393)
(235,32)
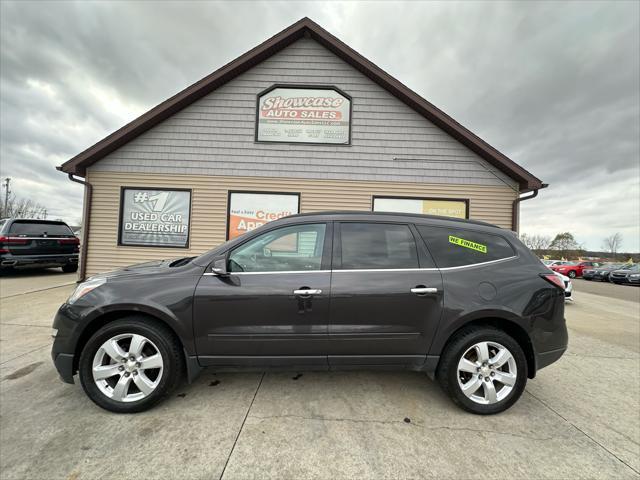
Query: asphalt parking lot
(578,419)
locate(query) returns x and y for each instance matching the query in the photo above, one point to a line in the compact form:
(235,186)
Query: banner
(303,115)
(247,211)
(154,218)
(428,206)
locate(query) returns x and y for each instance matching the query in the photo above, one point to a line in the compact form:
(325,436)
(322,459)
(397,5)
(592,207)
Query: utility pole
(7,191)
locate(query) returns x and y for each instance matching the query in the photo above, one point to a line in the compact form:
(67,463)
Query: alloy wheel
(487,373)
(127,367)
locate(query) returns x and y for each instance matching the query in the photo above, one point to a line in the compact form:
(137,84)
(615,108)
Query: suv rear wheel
(130,364)
(70,268)
(483,370)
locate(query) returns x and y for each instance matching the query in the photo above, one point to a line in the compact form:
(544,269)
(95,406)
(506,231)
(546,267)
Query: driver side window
(294,248)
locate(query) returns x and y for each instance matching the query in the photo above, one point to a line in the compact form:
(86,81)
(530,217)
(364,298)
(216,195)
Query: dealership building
(300,123)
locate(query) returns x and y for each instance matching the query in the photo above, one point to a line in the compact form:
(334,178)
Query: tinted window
(38,229)
(292,248)
(377,245)
(452,247)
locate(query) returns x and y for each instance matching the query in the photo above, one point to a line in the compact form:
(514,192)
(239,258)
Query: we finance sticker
(461,242)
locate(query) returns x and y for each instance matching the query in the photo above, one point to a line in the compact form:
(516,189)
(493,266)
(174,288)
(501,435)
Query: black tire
(572,274)
(447,373)
(165,341)
(70,268)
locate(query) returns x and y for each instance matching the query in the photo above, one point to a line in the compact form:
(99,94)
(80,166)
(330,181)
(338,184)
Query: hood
(625,272)
(605,269)
(562,267)
(145,268)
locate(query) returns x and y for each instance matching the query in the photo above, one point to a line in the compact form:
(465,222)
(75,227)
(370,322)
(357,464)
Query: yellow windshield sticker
(461,242)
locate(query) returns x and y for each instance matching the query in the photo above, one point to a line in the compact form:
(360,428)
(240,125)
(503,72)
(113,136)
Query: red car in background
(573,269)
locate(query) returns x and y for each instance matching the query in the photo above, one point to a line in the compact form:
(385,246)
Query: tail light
(71,241)
(4,241)
(554,279)
(67,241)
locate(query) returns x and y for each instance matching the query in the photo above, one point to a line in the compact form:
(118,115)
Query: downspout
(515,209)
(88,192)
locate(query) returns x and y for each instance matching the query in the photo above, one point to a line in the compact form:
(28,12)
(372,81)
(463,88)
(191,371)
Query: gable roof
(304,27)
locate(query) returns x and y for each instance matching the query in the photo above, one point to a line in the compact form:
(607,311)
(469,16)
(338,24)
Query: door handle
(307,291)
(424,290)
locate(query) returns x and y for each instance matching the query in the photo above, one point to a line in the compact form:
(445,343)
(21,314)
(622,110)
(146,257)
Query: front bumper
(64,363)
(66,322)
(619,279)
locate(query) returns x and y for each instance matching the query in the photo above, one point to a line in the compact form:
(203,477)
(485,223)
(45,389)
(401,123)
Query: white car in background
(551,263)
(568,286)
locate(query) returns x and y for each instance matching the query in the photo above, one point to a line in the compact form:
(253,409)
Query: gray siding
(390,141)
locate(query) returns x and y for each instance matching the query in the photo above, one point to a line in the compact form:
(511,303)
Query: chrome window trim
(432,269)
(490,262)
(270,273)
(354,270)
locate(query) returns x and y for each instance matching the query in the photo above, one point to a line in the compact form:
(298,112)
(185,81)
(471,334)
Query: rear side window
(39,229)
(377,245)
(452,247)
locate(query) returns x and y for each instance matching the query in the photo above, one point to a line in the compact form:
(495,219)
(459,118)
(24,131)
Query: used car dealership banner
(251,210)
(151,217)
(303,115)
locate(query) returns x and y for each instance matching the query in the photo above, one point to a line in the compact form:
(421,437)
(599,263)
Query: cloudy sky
(553,85)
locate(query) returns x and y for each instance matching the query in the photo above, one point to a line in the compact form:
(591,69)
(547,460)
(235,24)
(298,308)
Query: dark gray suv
(463,301)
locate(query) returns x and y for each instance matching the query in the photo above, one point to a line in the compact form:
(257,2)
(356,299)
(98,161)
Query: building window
(303,114)
(444,207)
(249,210)
(154,217)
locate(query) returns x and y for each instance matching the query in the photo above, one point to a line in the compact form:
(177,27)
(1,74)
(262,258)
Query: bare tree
(565,244)
(536,242)
(22,208)
(612,243)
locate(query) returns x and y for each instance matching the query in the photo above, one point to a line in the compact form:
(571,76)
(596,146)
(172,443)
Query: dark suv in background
(29,243)
(463,301)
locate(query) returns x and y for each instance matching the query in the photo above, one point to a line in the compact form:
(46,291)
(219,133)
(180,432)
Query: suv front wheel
(130,364)
(483,370)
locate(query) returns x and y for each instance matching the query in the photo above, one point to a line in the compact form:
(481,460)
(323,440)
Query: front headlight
(634,275)
(84,288)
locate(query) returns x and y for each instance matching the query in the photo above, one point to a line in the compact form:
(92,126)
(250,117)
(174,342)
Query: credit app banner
(248,211)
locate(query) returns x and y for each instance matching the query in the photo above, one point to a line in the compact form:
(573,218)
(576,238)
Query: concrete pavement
(609,290)
(25,281)
(577,419)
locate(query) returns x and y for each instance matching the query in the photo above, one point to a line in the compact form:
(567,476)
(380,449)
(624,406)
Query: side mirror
(220,267)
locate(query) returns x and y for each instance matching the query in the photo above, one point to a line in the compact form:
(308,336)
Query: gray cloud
(554,85)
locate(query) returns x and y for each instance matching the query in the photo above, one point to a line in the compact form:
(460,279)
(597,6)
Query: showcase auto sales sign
(303,115)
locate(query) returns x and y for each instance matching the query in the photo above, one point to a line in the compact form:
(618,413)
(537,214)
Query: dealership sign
(154,217)
(430,206)
(303,115)
(249,210)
